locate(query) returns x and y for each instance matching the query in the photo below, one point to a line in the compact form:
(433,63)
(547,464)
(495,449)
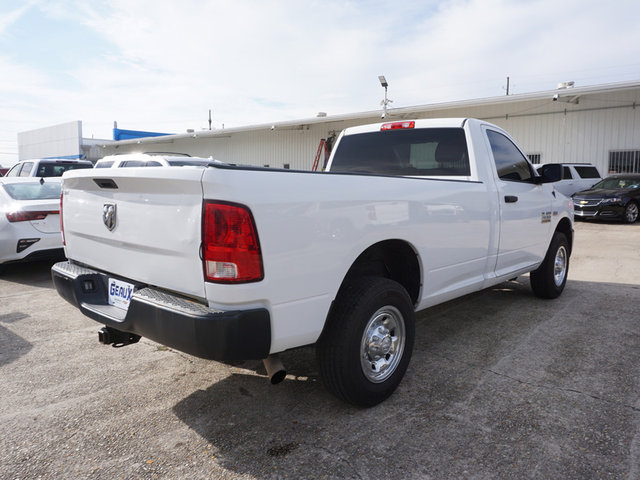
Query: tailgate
(143,224)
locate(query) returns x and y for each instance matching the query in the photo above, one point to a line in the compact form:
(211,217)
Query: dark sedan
(617,196)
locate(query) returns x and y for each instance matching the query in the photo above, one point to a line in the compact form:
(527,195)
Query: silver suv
(571,177)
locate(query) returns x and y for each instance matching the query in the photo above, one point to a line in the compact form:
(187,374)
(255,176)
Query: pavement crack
(338,456)
(538,385)
(563,389)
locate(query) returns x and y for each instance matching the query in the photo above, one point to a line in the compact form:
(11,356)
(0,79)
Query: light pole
(386,101)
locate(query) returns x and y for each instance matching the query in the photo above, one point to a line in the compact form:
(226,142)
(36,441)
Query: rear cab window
(56,169)
(415,152)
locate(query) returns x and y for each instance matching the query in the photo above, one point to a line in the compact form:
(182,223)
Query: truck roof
(420,123)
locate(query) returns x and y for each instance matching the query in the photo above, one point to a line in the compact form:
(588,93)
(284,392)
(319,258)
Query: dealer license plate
(120,293)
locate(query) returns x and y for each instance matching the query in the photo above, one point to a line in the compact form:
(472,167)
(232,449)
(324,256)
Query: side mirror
(550,173)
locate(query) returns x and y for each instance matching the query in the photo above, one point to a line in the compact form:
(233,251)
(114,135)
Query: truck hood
(143,224)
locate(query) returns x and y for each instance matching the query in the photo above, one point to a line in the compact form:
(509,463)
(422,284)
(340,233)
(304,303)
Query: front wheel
(630,212)
(366,345)
(549,279)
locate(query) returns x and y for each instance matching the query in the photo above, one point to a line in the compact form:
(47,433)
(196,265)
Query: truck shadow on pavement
(12,346)
(32,274)
(500,384)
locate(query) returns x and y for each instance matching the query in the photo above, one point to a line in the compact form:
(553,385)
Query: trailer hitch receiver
(117,338)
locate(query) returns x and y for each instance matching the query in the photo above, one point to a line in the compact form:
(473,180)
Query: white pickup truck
(238,263)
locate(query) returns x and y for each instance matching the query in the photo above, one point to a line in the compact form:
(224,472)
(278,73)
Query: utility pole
(507,85)
(209,119)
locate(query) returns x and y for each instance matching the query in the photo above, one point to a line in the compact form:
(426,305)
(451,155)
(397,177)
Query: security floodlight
(386,101)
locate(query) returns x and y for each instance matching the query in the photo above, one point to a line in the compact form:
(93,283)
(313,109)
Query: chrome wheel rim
(560,266)
(631,212)
(382,344)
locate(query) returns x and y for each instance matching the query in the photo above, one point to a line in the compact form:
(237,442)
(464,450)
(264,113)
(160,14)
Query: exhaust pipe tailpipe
(275,369)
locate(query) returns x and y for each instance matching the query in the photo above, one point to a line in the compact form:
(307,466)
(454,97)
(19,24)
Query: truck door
(525,207)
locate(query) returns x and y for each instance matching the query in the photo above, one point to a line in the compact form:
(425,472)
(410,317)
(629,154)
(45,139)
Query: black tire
(549,279)
(359,372)
(630,214)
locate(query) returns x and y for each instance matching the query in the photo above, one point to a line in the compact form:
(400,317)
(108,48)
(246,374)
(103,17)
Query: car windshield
(618,183)
(33,190)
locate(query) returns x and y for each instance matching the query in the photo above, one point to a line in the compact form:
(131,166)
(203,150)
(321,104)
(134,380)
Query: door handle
(510,198)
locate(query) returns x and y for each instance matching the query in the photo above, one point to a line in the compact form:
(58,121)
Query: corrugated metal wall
(586,132)
(558,131)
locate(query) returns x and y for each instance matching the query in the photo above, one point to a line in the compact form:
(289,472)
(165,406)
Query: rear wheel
(549,279)
(366,346)
(630,212)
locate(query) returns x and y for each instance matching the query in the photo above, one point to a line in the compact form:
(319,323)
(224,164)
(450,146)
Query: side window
(566,173)
(26,169)
(152,163)
(587,172)
(510,163)
(105,164)
(132,163)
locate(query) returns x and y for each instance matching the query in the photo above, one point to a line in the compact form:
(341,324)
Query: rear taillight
(26,216)
(61,224)
(397,125)
(230,248)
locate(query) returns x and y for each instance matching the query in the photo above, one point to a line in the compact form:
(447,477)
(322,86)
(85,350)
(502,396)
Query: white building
(596,124)
(59,141)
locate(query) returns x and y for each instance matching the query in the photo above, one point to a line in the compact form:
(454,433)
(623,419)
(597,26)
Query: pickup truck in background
(239,263)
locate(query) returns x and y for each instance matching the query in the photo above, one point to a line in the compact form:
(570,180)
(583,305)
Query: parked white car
(152,160)
(29,219)
(572,177)
(46,167)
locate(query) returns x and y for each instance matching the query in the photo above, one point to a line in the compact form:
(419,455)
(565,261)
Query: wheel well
(394,259)
(564,226)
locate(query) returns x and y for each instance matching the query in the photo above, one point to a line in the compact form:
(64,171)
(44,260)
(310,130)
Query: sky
(161,65)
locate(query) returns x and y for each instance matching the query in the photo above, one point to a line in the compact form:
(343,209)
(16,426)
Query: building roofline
(392,112)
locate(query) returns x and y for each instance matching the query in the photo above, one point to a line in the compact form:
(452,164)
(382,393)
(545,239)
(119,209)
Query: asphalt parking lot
(501,385)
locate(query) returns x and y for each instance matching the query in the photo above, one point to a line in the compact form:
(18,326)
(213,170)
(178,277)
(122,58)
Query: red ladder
(322,146)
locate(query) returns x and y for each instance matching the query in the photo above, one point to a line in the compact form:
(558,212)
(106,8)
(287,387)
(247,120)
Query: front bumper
(599,211)
(168,319)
